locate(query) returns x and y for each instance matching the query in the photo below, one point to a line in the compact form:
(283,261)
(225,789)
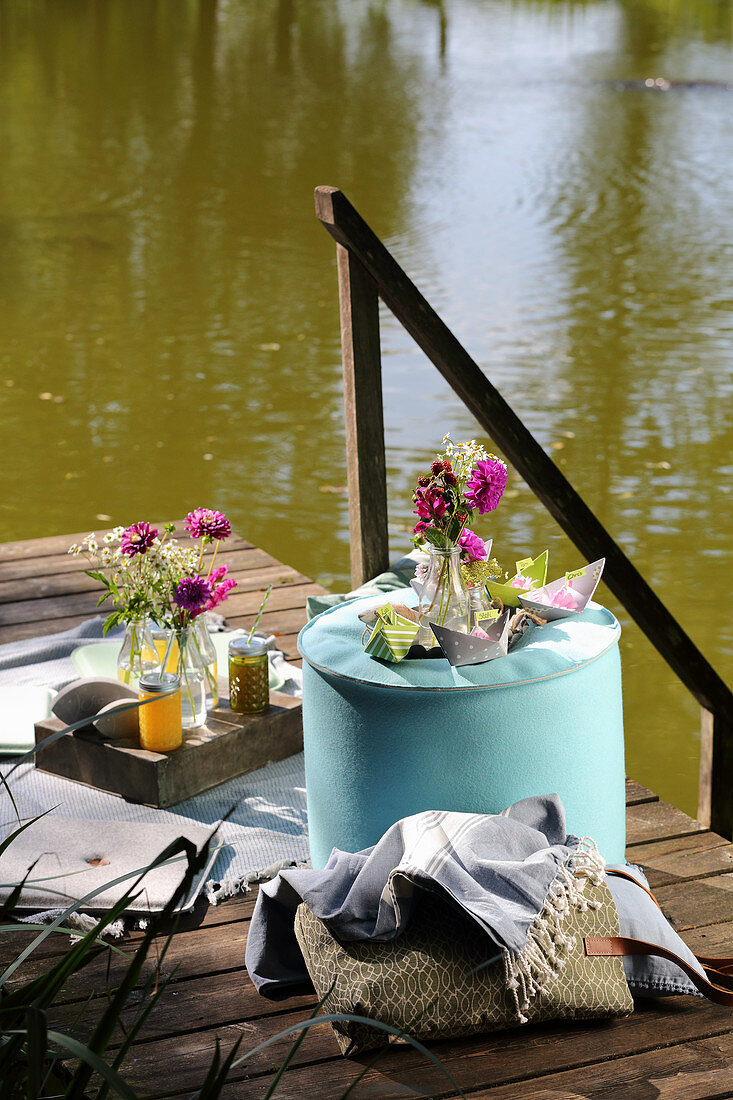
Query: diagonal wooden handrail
(380,271)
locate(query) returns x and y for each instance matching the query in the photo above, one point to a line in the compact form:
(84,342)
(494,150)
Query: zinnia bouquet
(155,582)
(464,480)
(149,575)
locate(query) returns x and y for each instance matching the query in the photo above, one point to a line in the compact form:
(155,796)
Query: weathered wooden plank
(698,903)
(85,604)
(243,564)
(702,862)
(478,1062)
(711,939)
(203,920)
(76,581)
(59,544)
(496,417)
(688,1071)
(636,793)
(208,949)
(200,1002)
(656,821)
(365,462)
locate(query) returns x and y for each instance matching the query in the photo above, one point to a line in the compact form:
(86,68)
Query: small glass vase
(138,655)
(444,596)
(208,655)
(192,671)
(478,604)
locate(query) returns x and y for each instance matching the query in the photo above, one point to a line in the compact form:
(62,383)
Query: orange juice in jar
(160,721)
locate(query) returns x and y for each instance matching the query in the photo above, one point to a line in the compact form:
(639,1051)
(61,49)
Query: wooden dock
(679,1048)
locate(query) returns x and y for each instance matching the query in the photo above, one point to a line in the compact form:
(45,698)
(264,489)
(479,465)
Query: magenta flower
(137,539)
(220,585)
(486,485)
(420,527)
(202,523)
(192,593)
(472,545)
(431,504)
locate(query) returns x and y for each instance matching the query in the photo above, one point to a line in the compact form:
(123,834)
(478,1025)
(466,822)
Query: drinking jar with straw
(249,691)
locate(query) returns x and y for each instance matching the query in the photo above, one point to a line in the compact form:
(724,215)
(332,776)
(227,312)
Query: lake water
(168,301)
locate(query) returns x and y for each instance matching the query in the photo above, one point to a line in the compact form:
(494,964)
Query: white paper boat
(579,586)
(467,649)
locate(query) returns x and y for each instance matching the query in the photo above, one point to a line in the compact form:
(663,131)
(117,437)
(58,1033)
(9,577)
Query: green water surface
(168,311)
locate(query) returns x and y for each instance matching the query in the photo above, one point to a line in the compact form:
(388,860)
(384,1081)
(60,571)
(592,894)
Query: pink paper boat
(568,595)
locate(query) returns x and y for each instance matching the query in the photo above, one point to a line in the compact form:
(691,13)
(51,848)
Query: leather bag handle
(718,983)
(717,986)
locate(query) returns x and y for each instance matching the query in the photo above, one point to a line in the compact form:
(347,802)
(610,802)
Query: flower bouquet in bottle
(464,481)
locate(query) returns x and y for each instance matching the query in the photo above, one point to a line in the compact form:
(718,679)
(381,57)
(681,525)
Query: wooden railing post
(715,798)
(368,269)
(365,462)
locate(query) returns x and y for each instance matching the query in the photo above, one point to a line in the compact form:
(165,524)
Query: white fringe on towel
(528,972)
(220,891)
(82,922)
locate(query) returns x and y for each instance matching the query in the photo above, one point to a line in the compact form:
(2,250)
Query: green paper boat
(534,569)
(392,636)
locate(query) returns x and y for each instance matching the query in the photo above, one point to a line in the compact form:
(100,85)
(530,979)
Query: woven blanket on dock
(268,825)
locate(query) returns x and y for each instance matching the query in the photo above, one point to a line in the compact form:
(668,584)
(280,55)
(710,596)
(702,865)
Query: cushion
(641,919)
(71,857)
(384,741)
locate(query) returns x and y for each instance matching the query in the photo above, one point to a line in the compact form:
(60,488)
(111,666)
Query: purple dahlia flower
(486,485)
(202,523)
(192,593)
(137,539)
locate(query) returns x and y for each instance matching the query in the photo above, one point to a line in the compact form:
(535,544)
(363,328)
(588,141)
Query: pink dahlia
(137,539)
(202,523)
(486,485)
(192,593)
(220,585)
(472,545)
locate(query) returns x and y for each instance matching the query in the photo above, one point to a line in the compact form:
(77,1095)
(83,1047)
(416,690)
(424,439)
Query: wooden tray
(227,746)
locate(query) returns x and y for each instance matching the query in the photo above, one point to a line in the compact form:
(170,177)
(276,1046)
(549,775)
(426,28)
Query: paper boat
(467,649)
(576,587)
(392,636)
(534,570)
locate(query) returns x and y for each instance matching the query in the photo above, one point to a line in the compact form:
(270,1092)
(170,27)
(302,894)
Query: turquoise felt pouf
(383,741)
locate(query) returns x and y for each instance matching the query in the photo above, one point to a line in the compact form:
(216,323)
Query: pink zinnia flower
(220,585)
(472,545)
(486,485)
(137,539)
(521,582)
(192,593)
(202,523)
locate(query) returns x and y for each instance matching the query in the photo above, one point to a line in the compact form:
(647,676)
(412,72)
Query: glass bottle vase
(192,671)
(208,655)
(444,595)
(138,655)
(478,604)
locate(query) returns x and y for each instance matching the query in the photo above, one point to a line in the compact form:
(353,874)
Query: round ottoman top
(332,643)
